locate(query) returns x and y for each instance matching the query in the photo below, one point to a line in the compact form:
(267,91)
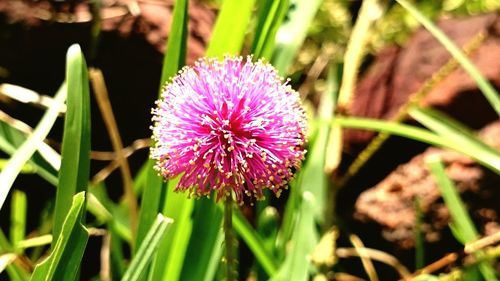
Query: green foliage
(290,34)
(67,252)
(75,152)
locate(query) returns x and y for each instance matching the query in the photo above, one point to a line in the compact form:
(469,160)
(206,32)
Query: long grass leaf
(230,28)
(18,218)
(171,252)
(488,90)
(147,249)
(292,33)
(450,129)
(28,148)
(297,263)
(199,251)
(461,220)
(270,17)
(175,54)
(156,192)
(75,165)
(64,261)
(415,133)
(254,242)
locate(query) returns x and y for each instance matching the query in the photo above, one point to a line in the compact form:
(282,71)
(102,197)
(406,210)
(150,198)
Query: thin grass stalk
(365,259)
(413,99)
(370,11)
(102,97)
(229,239)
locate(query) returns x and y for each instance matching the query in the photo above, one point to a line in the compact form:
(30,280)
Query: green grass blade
(64,261)
(297,263)
(172,249)
(175,54)
(254,242)
(461,220)
(412,132)
(293,32)
(488,90)
(199,251)
(147,249)
(419,234)
(457,133)
(11,139)
(18,218)
(270,17)
(28,148)
(230,28)
(268,223)
(74,172)
(153,197)
(156,192)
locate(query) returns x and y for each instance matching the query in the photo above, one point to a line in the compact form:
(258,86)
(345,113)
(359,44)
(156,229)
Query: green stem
(229,239)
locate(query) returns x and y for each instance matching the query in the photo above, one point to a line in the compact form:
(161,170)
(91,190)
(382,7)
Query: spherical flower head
(228,126)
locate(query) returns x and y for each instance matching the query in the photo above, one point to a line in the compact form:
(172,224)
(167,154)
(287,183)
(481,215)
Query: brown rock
(397,72)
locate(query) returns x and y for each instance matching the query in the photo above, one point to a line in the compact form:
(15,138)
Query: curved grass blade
(454,131)
(297,263)
(462,222)
(270,17)
(28,148)
(172,249)
(415,133)
(199,252)
(156,192)
(488,90)
(153,196)
(254,242)
(75,164)
(64,261)
(147,249)
(175,54)
(292,33)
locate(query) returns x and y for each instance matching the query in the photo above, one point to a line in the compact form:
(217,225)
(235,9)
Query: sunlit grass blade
(64,261)
(75,165)
(29,147)
(156,192)
(199,252)
(293,32)
(455,132)
(230,28)
(488,90)
(297,263)
(172,249)
(147,249)
(153,197)
(175,54)
(462,222)
(415,133)
(18,218)
(254,242)
(270,17)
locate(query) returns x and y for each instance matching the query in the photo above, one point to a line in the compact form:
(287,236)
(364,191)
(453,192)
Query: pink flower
(230,125)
